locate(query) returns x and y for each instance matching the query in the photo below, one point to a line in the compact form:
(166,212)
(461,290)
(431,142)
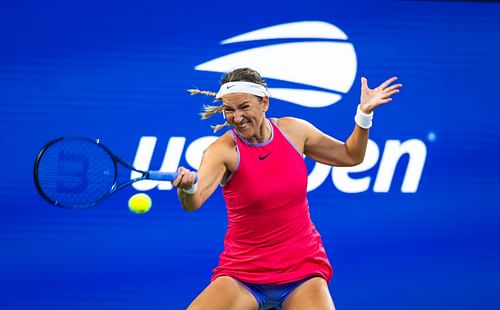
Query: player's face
(246,113)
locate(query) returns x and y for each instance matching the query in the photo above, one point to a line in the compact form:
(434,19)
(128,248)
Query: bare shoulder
(222,151)
(289,121)
(293,126)
(296,129)
(222,144)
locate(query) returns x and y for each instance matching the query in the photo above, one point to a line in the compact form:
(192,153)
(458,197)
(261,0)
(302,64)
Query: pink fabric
(270,236)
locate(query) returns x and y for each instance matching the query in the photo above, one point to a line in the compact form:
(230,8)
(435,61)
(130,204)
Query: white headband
(243,87)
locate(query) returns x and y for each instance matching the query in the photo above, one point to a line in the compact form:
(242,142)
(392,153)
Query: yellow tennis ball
(140,203)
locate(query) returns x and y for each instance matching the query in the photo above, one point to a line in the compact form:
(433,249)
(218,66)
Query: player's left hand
(373,98)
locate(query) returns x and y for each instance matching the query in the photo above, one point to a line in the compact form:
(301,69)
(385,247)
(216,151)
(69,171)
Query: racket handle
(162,176)
(166,176)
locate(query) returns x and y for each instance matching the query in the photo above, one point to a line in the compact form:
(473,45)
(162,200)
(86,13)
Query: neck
(263,134)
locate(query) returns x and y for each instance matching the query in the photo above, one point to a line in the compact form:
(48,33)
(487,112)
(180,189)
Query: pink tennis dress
(270,238)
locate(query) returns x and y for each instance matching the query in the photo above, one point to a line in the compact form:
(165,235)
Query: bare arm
(328,150)
(323,148)
(210,173)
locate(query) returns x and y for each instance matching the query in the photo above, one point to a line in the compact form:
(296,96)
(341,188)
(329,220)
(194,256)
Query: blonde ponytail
(209,110)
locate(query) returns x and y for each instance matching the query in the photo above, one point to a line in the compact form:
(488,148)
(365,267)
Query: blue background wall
(119,70)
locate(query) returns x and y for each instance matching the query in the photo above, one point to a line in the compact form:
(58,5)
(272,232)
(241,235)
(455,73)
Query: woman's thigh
(312,294)
(224,293)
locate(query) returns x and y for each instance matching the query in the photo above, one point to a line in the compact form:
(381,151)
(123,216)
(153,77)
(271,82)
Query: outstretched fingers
(372,98)
(386,100)
(388,82)
(390,91)
(364,82)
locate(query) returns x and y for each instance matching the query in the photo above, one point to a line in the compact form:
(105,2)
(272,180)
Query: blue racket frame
(145,175)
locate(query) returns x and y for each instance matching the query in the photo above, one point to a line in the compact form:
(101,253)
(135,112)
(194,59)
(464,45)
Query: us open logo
(321,64)
(318,67)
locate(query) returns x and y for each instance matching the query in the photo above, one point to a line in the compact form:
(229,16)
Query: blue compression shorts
(272,296)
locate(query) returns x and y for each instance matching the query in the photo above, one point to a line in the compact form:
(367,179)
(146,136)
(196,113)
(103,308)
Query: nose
(238,116)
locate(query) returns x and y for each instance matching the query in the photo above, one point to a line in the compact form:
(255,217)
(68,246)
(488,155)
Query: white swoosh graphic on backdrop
(306,29)
(305,97)
(323,64)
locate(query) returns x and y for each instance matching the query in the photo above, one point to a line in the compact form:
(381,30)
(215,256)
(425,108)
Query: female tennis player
(273,256)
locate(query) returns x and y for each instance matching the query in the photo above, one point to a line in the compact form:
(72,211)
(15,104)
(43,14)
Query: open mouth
(243,126)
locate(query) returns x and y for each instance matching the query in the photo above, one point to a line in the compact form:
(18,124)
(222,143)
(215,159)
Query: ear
(265,103)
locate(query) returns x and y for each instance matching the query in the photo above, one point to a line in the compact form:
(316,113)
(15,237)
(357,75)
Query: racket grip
(162,176)
(166,176)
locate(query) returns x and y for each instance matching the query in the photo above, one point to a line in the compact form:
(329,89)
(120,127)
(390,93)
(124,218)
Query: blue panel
(416,228)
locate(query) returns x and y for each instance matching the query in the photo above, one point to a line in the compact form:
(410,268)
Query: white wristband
(191,190)
(362,119)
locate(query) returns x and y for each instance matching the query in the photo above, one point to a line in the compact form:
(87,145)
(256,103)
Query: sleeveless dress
(270,238)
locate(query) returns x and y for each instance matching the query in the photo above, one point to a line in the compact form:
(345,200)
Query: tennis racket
(79,172)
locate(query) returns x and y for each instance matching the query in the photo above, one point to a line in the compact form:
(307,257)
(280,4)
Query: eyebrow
(239,104)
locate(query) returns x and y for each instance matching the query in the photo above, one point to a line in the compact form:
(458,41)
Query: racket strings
(76,173)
